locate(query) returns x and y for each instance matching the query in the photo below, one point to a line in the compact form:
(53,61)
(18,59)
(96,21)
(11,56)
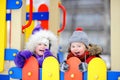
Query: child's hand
(47,53)
(21,57)
(26,54)
(83,66)
(64,66)
(19,60)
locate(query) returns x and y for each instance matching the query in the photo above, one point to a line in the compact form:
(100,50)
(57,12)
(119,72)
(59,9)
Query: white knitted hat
(44,36)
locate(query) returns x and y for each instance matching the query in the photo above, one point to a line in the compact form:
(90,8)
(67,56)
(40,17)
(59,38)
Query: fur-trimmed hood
(94,49)
(35,39)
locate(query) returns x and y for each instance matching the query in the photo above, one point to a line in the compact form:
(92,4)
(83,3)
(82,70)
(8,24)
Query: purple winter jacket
(23,55)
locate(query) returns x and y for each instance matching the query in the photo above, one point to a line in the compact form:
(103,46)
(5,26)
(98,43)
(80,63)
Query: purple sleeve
(21,57)
(47,53)
(26,54)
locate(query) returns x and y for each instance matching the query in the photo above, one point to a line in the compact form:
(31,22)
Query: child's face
(77,48)
(40,49)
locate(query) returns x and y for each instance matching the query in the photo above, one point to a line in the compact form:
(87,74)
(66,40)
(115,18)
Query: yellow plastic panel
(97,69)
(2,32)
(28,31)
(50,69)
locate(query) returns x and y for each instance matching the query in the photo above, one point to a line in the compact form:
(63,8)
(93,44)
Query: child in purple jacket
(39,45)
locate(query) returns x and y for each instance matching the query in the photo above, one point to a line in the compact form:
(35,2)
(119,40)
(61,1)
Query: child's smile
(77,53)
(42,51)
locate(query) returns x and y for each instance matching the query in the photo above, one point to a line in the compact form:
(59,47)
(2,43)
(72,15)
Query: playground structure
(49,19)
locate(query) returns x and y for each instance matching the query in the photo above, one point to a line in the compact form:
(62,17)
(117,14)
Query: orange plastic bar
(30,18)
(64,17)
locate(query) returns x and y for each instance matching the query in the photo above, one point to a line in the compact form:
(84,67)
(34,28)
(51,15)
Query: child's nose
(76,48)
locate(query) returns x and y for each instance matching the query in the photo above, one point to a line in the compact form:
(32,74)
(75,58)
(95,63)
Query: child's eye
(39,44)
(45,45)
(73,46)
(79,46)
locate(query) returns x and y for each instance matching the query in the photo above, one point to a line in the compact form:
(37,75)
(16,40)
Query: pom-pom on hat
(42,36)
(79,36)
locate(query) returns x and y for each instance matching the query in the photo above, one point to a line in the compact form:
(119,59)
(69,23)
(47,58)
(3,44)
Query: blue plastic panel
(4,77)
(8,17)
(15,73)
(61,75)
(36,16)
(10,54)
(14,4)
(60,55)
(85,75)
(113,75)
(40,75)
